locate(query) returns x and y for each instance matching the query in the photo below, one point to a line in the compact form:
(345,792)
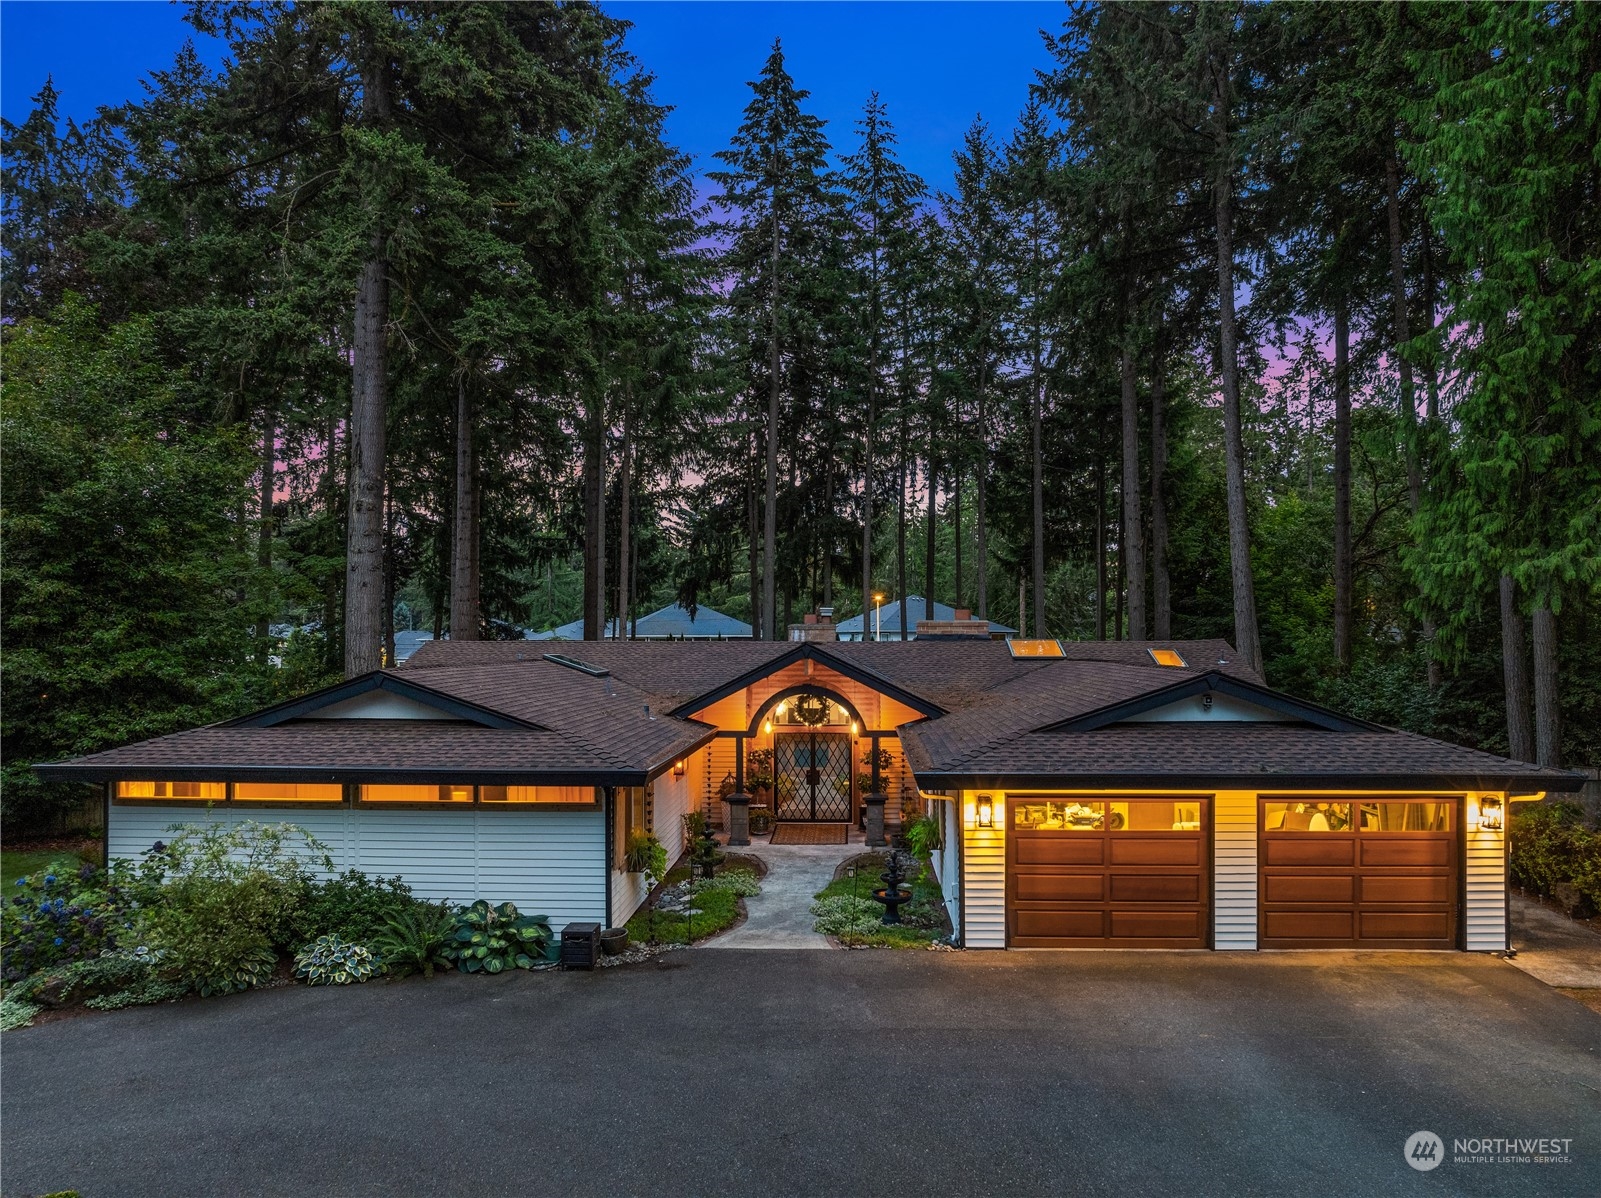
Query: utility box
(580,945)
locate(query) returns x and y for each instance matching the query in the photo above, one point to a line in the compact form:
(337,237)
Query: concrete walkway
(781,915)
(1554,948)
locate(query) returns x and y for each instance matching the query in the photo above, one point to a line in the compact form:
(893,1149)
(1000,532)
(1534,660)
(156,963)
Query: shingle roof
(887,618)
(671,621)
(988,715)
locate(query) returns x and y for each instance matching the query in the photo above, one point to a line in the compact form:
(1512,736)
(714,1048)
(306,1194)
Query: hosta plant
(242,971)
(491,939)
(330,961)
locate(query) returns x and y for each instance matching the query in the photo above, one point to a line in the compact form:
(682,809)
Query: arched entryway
(812,731)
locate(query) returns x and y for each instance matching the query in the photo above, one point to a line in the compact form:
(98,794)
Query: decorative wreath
(811,710)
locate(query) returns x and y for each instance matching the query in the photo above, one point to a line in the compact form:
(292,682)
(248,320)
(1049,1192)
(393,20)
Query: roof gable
(1242,701)
(380,695)
(810,651)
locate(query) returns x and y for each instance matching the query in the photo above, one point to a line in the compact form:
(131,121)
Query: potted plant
(759,774)
(884,760)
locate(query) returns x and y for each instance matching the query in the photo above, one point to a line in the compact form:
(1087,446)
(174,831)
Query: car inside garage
(1344,871)
(1087,871)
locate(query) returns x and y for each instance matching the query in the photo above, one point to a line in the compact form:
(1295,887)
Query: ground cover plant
(687,909)
(845,909)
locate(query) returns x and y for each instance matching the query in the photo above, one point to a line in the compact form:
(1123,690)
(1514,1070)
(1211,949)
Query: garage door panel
(1137,878)
(1395,925)
(1378,850)
(1308,925)
(1156,925)
(1058,925)
(1172,850)
(1384,873)
(1313,849)
(1070,849)
(1308,888)
(1388,888)
(1155,888)
(1059,888)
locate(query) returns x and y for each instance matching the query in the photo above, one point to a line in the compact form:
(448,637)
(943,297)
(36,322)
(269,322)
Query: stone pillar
(738,819)
(875,820)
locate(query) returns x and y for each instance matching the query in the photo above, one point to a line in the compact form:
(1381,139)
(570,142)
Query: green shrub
(646,855)
(70,911)
(352,906)
(490,939)
(740,883)
(842,915)
(229,896)
(330,961)
(150,990)
(16,1012)
(1554,853)
(414,940)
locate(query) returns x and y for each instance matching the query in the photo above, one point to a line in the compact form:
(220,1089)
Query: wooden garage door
(1088,872)
(1339,872)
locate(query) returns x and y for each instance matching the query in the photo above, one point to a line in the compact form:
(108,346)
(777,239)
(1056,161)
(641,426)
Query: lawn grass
(718,911)
(868,867)
(17,863)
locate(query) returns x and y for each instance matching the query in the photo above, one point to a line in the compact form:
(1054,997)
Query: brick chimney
(815,626)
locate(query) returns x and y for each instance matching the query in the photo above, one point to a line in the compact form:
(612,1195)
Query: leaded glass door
(814,776)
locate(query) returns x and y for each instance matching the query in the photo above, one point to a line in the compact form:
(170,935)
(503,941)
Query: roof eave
(1561,782)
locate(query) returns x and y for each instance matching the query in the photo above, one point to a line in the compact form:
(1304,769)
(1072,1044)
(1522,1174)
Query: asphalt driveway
(825,1073)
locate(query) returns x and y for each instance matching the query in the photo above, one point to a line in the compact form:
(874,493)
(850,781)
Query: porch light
(855,728)
(1490,814)
(986,811)
(678,769)
(782,706)
(767,726)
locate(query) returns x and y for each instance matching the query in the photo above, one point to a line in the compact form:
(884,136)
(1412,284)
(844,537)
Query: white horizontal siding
(983,893)
(549,863)
(1485,867)
(1234,906)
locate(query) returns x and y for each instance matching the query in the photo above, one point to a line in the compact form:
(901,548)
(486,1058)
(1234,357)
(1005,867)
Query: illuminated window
(536,794)
(1035,648)
(1060,815)
(1155,815)
(205,792)
(1309,816)
(417,793)
(1406,817)
(1167,657)
(289,792)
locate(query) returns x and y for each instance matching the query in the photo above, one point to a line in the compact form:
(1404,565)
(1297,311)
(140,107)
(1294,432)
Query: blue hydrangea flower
(59,940)
(49,879)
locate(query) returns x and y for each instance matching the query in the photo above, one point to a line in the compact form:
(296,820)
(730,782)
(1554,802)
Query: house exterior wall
(983,883)
(1234,906)
(549,863)
(671,799)
(1484,870)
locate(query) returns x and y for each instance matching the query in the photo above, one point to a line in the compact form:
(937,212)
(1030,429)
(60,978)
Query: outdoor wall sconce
(767,726)
(855,728)
(678,769)
(1490,814)
(986,811)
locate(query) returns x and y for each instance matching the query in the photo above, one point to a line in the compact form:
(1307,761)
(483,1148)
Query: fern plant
(414,941)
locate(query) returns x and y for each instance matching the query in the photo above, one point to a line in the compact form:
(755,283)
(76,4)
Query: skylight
(1167,657)
(1040,648)
(572,663)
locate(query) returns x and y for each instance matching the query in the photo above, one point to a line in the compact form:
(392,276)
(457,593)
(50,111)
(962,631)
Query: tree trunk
(595,520)
(269,465)
(389,582)
(1515,675)
(1402,330)
(1117,589)
(1100,548)
(1131,547)
(369,407)
(1344,580)
(900,524)
(931,538)
(1248,644)
(465,617)
(1161,592)
(1037,437)
(1431,373)
(1547,700)
(981,525)
(624,526)
(956,516)
(752,539)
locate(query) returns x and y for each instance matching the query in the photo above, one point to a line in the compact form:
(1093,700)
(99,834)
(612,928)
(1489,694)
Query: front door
(814,776)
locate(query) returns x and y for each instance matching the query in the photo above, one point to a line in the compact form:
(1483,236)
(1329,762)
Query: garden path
(781,915)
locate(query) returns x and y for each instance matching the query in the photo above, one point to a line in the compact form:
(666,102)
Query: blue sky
(935,64)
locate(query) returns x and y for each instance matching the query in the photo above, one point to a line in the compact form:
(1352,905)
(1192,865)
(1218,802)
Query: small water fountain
(892,894)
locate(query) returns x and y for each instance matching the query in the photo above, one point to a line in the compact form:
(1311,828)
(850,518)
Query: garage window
(1406,817)
(1307,817)
(1064,815)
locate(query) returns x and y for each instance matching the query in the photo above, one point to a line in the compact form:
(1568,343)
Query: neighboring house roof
(407,643)
(618,712)
(887,619)
(669,623)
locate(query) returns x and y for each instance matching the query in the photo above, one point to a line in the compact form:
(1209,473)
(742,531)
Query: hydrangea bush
(66,913)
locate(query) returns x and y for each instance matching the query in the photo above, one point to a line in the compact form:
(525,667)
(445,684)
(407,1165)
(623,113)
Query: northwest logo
(1424,1151)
